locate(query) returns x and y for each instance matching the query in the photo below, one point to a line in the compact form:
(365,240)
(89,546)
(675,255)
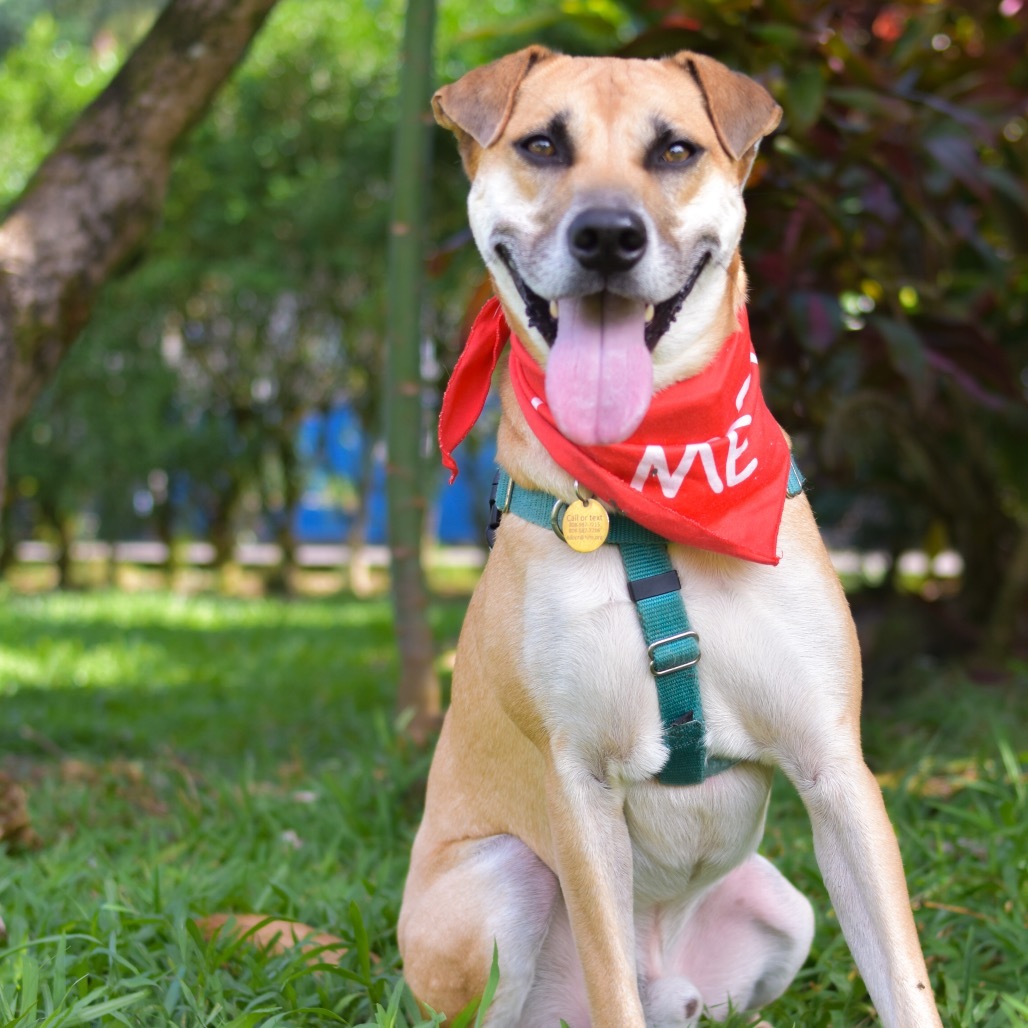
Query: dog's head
(606,200)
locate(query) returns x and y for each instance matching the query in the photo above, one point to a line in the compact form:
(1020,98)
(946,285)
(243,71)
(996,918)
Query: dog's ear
(478,105)
(741,110)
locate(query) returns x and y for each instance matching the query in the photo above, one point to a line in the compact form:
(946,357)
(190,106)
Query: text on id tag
(585,526)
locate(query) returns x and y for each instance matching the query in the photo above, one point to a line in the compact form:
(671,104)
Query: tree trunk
(92,202)
(164,520)
(1008,623)
(7,541)
(221,531)
(361,582)
(65,538)
(110,569)
(419,685)
(50,518)
(282,578)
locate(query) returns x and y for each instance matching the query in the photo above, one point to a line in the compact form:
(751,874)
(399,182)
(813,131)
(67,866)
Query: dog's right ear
(477,106)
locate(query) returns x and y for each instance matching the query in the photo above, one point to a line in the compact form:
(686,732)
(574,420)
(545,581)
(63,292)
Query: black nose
(607,239)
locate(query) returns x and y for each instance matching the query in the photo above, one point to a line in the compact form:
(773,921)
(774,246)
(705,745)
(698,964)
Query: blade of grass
(1013,768)
(29,986)
(360,938)
(83,1013)
(490,986)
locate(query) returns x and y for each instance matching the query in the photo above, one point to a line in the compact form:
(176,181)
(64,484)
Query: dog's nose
(607,239)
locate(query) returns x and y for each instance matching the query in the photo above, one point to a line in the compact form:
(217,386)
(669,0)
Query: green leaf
(60,984)
(1012,767)
(463,1019)
(29,985)
(480,1007)
(872,101)
(92,1011)
(1013,1005)
(250,1020)
(804,97)
(906,353)
(777,33)
(360,938)
(490,986)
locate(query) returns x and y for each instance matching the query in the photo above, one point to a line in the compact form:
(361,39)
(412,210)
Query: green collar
(548,512)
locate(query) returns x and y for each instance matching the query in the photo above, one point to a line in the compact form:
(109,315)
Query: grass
(188,756)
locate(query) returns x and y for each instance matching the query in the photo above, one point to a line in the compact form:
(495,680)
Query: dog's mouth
(540,312)
(599,376)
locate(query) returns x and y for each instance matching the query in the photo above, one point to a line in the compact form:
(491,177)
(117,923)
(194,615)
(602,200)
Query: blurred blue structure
(332,446)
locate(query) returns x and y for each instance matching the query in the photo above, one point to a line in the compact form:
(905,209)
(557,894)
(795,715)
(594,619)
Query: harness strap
(795,483)
(672,646)
(674,651)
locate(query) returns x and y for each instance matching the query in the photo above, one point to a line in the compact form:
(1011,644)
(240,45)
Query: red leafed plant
(886,249)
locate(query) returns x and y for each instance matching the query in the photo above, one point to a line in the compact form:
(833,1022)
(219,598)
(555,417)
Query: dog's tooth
(553,309)
(650,311)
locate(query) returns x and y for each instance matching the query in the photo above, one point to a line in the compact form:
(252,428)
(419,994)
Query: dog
(606,201)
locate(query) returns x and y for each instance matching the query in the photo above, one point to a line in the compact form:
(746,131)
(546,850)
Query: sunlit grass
(188,755)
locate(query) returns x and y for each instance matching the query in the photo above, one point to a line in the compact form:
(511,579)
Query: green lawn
(192,755)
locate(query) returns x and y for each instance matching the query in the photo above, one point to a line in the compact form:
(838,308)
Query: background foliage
(885,246)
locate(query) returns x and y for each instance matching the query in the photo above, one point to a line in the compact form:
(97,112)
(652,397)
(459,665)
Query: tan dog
(615,900)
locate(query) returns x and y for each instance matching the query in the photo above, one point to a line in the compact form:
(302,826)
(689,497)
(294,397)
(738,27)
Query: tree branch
(93,201)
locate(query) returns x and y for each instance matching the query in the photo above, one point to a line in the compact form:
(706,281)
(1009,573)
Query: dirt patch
(16,831)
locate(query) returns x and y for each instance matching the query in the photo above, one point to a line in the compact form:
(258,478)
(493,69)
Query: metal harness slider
(658,673)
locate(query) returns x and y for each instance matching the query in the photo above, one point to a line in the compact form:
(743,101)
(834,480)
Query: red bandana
(707,467)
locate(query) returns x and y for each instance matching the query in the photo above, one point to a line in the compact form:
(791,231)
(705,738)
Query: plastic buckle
(497,510)
(657,673)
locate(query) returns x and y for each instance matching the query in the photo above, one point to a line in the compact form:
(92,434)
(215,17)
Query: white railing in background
(871,565)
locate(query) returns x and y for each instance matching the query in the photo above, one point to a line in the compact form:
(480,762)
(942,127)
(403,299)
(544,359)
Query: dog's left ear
(741,110)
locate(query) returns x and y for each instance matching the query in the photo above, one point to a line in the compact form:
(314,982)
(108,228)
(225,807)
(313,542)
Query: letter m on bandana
(654,459)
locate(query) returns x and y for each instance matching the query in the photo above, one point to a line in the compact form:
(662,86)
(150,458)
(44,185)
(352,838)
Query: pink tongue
(599,378)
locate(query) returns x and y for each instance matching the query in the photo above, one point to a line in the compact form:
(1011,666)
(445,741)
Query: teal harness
(671,644)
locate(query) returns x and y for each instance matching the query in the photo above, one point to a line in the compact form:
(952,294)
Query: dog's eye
(677,152)
(539,146)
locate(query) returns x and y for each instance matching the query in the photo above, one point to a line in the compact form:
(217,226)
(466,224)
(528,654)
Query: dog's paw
(672,1003)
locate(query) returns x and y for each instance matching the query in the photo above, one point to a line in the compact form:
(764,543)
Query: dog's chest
(585,665)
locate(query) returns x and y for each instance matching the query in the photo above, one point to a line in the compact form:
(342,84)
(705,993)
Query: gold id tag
(586,525)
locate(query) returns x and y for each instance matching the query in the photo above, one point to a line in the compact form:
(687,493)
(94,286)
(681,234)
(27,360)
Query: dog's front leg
(860,861)
(594,865)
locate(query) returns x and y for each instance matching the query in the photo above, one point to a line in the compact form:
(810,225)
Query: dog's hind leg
(458,902)
(746,940)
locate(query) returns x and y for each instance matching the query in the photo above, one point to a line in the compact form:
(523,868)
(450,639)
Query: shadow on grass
(935,711)
(216,680)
